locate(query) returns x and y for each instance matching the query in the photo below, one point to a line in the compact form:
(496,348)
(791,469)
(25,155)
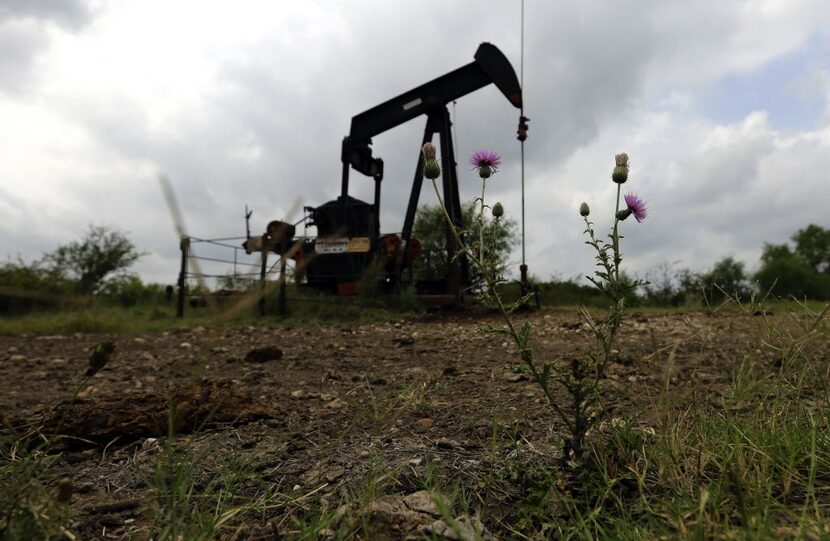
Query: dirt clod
(130,416)
(264,354)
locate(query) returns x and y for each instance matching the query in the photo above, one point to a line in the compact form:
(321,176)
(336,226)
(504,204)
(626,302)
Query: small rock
(406,341)
(18,358)
(147,356)
(335,404)
(331,375)
(464,528)
(87,392)
(327,533)
(423,502)
(514,377)
(364,453)
(299,393)
(150,443)
(446,443)
(426,422)
(185,345)
(264,354)
(334,474)
(139,340)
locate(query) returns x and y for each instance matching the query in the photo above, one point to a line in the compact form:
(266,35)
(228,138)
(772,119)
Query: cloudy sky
(723,106)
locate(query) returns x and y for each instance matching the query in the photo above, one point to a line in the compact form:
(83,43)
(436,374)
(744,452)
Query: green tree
(431,227)
(727,277)
(812,244)
(101,253)
(786,273)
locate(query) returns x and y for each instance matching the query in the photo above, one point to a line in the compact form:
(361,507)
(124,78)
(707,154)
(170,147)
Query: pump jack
(348,229)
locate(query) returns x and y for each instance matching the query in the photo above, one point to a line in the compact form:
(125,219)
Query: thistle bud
(621,159)
(623,214)
(99,357)
(431,169)
(429,151)
(485,171)
(498,210)
(620,174)
(584,209)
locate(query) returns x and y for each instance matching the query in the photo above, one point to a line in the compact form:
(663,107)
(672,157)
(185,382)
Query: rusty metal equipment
(349,237)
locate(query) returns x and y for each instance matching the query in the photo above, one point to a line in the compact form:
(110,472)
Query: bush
(27,287)
(431,229)
(130,291)
(569,293)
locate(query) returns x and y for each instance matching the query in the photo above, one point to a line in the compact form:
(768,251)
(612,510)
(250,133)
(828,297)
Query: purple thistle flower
(486,161)
(485,157)
(637,206)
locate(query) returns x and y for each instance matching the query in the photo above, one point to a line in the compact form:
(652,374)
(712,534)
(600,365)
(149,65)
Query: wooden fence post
(184,246)
(281,302)
(262,281)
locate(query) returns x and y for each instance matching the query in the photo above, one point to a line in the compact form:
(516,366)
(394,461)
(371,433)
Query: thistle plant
(580,378)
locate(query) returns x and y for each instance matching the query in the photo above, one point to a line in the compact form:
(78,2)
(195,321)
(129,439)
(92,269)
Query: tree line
(799,268)
(98,265)
(95,265)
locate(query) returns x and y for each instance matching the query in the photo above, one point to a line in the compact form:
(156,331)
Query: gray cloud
(265,126)
(24,36)
(69,13)
(20,43)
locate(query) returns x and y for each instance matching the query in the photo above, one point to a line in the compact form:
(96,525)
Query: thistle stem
(461,245)
(616,240)
(527,356)
(481,227)
(525,352)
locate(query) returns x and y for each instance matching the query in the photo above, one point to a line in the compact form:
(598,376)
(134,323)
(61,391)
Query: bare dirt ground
(339,417)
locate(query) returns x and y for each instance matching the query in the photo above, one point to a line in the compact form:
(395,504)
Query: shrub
(27,287)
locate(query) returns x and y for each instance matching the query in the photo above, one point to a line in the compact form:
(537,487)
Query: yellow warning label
(359,245)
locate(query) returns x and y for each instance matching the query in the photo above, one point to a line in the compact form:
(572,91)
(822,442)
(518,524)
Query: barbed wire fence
(222,268)
(232,273)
